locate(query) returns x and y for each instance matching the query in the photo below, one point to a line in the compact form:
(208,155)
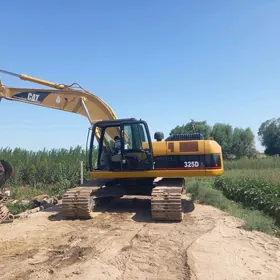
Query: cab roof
(116,122)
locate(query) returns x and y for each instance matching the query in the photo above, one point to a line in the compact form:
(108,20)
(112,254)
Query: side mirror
(159,136)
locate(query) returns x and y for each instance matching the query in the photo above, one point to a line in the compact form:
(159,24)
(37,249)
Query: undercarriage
(166,202)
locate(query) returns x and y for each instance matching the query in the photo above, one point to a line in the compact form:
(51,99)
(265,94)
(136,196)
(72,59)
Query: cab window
(135,136)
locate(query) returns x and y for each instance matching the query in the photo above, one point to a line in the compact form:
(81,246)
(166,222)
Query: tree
(242,142)
(237,141)
(223,134)
(269,134)
(191,127)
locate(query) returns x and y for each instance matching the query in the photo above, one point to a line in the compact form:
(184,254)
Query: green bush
(202,191)
(255,193)
(56,167)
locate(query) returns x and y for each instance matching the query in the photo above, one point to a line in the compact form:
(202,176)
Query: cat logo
(33,97)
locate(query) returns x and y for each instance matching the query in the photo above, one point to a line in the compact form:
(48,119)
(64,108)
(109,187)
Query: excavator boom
(61,97)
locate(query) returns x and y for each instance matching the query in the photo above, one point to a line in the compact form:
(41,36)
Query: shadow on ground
(140,207)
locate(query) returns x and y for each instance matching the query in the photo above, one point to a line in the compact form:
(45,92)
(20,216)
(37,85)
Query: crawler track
(166,201)
(79,202)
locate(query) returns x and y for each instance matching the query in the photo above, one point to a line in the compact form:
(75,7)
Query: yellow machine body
(165,151)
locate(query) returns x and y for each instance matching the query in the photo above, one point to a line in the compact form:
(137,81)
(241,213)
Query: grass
(204,192)
(254,182)
(18,207)
(53,171)
(269,162)
(22,194)
(249,189)
(26,192)
(271,175)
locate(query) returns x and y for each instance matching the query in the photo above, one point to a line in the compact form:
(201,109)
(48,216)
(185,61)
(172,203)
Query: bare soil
(124,243)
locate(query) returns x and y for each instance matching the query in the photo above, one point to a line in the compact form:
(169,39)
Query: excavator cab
(122,145)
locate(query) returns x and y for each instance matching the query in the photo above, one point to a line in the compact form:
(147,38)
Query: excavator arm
(71,98)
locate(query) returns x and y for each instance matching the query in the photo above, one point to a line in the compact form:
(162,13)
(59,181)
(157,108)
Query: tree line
(235,141)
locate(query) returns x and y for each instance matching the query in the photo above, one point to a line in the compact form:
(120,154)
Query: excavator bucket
(6,171)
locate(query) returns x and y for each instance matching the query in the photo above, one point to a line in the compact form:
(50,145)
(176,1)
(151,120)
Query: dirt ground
(124,243)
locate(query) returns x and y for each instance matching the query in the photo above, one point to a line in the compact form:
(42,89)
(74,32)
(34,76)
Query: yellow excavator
(128,162)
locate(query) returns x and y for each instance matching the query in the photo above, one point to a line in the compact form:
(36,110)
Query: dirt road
(124,243)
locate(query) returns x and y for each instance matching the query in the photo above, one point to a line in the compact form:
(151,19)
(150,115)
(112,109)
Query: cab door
(136,144)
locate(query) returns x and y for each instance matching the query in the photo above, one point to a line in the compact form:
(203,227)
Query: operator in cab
(117,144)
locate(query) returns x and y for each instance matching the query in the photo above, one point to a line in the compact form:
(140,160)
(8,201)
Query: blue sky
(163,61)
